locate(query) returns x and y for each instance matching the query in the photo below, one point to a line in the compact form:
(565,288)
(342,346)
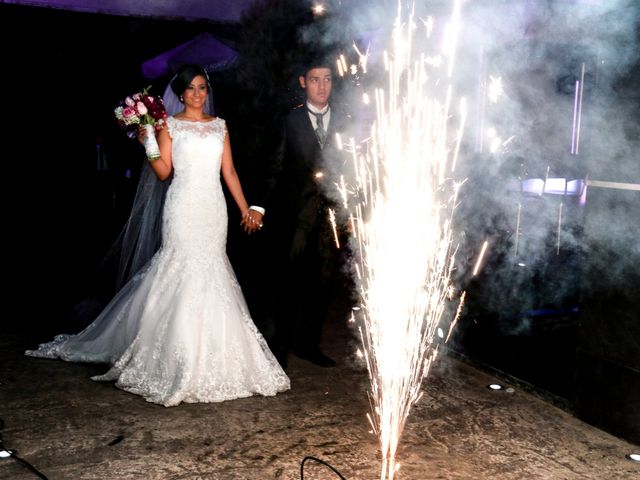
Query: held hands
(251,221)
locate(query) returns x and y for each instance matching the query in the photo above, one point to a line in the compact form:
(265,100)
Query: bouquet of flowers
(140,109)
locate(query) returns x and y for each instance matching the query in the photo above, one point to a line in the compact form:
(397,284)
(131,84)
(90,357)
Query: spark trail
(402,225)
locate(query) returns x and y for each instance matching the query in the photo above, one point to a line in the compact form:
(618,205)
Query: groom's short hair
(315,61)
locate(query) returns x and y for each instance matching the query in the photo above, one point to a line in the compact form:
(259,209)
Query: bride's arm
(231,177)
(163,165)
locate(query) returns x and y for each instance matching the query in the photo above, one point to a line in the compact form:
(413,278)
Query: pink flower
(129,112)
(129,101)
(142,108)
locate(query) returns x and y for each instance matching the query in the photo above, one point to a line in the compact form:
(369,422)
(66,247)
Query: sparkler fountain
(402,226)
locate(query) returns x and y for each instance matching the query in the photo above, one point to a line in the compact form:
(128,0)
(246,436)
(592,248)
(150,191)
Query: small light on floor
(5,453)
(440,333)
(494,386)
(520,264)
(634,457)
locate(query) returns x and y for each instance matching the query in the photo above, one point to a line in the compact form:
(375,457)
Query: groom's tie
(321,133)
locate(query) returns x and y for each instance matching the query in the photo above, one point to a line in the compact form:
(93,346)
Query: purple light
(552,186)
(203,50)
(220,10)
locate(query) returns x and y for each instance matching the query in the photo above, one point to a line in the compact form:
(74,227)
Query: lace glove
(151,143)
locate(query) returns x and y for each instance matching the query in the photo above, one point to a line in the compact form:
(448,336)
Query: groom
(296,216)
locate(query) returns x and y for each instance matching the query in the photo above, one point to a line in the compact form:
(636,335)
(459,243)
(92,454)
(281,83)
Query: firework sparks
(480,257)
(318,9)
(559,229)
(577,114)
(332,220)
(496,89)
(402,228)
(362,58)
(517,236)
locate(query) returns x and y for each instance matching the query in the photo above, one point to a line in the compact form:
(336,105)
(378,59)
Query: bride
(179,330)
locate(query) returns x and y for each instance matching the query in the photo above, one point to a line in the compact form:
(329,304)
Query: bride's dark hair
(185,75)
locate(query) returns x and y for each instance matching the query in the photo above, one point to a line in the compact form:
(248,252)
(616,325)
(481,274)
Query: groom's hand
(251,221)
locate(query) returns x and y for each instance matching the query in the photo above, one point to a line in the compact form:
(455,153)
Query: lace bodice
(197,146)
(195,200)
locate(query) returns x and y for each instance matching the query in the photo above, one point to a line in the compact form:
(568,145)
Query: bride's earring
(181,99)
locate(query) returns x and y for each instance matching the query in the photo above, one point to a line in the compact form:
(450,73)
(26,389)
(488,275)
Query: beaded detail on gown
(179,330)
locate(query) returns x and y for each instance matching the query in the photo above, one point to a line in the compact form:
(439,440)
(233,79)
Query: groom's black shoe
(316,357)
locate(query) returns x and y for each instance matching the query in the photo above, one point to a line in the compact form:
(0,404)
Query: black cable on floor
(319,461)
(12,454)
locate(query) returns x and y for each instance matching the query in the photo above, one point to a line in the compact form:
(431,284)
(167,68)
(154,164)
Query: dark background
(63,73)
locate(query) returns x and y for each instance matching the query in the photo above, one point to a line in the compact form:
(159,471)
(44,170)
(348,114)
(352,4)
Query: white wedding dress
(179,330)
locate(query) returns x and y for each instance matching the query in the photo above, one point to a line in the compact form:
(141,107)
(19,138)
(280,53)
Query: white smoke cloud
(539,49)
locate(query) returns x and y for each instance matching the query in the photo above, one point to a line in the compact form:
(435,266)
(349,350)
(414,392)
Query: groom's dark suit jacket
(298,198)
(303,254)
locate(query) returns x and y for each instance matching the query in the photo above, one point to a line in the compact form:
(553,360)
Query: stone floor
(69,427)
